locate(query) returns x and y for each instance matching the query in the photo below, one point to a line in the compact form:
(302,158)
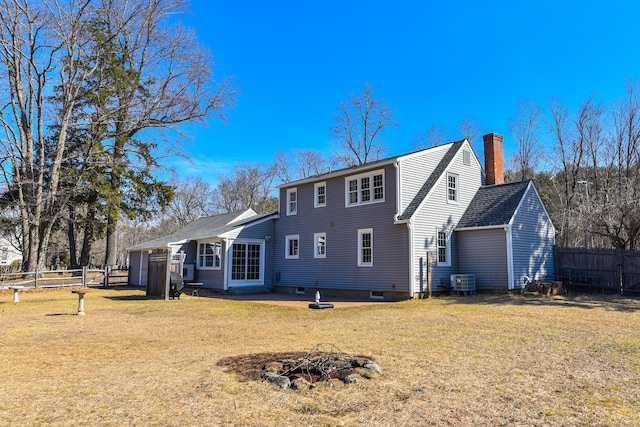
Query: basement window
(376,295)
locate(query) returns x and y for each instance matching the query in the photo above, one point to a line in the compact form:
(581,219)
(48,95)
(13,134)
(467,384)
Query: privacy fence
(60,278)
(600,269)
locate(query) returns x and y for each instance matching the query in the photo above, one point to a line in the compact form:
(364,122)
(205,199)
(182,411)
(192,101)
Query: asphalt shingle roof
(431,181)
(493,205)
(202,228)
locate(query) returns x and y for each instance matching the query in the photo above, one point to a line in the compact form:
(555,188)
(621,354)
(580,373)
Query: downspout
(412,266)
(227,267)
(510,269)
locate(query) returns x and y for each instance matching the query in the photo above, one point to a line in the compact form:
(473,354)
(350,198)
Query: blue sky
(433,62)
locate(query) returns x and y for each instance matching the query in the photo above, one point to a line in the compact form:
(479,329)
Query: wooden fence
(60,278)
(610,269)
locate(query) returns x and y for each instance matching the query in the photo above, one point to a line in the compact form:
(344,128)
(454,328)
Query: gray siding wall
(339,270)
(484,253)
(414,171)
(436,213)
(533,240)
(259,232)
(134,268)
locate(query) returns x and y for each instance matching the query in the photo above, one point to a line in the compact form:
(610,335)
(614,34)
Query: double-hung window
(365,247)
(292,247)
(320,241)
(292,201)
(364,188)
(320,190)
(442,241)
(209,255)
(452,188)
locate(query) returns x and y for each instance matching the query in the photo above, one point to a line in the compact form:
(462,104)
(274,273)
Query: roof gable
(494,205)
(431,181)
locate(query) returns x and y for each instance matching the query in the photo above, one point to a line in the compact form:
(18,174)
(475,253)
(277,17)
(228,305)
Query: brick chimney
(493,158)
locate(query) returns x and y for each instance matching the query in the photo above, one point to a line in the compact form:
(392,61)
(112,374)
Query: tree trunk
(71,233)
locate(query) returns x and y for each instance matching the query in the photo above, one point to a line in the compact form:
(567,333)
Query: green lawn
(481,360)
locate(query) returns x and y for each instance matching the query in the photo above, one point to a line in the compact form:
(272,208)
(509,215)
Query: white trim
(412,261)
(290,238)
(316,203)
(484,227)
(510,267)
(213,243)
(290,191)
(456,177)
(358,178)
(447,235)
(227,264)
(246,282)
(362,232)
(316,239)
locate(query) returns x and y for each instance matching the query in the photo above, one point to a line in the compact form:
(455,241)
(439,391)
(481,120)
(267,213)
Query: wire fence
(61,278)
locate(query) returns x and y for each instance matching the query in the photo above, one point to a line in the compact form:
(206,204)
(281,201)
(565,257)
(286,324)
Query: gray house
(368,231)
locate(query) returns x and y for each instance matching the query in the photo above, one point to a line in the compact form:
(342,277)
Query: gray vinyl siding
(340,270)
(134,268)
(533,240)
(259,232)
(484,253)
(436,213)
(414,171)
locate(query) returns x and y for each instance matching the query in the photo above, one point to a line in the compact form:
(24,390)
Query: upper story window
(466,157)
(364,188)
(292,201)
(320,191)
(209,255)
(452,188)
(292,247)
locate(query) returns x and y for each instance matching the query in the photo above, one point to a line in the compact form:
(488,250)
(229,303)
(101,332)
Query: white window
(292,201)
(364,188)
(320,242)
(246,261)
(209,256)
(320,190)
(365,247)
(443,247)
(452,188)
(292,247)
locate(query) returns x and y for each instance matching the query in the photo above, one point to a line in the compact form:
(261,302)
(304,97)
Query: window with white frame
(320,190)
(364,188)
(442,241)
(292,247)
(292,201)
(452,188)
(246,261)
(320,242)
(365,247)
(209,255)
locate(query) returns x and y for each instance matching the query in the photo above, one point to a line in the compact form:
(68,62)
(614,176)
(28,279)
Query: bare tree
(40,44)
(192,200)
(526,129)
(471,129)
(435,135)
(299,164)
(248,186)
(359,123)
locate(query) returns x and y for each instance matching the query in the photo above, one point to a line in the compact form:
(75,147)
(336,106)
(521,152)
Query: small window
(365,247)
(299,291)
(452,188)
(209,255)
(321,194)
(443,248)
(376,295)
(292,247)
(320,240)
(466,157)
(364,188)
(292,201)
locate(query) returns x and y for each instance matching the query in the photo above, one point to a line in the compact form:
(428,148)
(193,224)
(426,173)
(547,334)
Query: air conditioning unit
(463,282)
(187,272)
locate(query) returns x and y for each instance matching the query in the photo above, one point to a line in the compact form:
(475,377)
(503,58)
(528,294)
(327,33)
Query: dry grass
(486,360)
